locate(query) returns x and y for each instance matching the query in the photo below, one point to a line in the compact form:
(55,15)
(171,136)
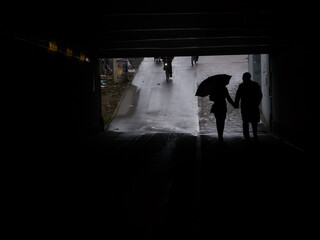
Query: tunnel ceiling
(142,29)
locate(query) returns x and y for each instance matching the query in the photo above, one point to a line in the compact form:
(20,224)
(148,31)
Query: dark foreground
(172,186)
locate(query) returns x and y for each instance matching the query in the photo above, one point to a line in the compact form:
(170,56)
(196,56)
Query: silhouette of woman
(219,95)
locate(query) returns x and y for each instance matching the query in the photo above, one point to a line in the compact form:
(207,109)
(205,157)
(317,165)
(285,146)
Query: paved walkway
(179,186)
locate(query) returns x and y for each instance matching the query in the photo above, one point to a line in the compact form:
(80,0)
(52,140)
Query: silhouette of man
(219,108)
(249,95)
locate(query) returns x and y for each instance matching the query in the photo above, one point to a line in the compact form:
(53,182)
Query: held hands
(234,104)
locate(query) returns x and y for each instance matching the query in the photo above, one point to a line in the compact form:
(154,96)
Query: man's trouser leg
(255,130)
(245,128)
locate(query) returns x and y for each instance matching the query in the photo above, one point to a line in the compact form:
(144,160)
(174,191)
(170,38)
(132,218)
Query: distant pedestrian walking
(249,95)
(194,59)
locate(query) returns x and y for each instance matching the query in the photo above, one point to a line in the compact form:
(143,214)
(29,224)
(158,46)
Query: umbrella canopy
(207,86)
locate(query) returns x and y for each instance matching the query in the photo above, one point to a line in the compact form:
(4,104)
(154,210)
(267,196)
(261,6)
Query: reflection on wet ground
(169,186)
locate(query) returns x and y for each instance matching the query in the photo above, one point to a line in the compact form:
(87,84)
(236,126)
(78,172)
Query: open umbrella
(207,86)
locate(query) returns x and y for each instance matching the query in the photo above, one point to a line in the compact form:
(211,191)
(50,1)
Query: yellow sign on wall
(53,46)
(82,57)
(69,52)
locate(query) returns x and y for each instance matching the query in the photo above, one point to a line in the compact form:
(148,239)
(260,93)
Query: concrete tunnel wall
(292,92)
(49,96)
(287,108)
